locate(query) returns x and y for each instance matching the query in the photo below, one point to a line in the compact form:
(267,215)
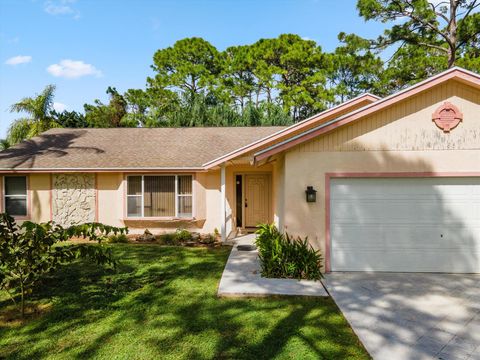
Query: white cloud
(72,69)
(61,7)
(59,107)
(20,59)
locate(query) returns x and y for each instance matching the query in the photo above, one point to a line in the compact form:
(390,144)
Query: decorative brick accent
(73,198)
(447,117)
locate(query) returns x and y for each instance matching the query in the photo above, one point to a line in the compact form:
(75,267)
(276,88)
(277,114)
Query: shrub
(182,235)
(282,256)
(30,251)
(168,239)
(120,238)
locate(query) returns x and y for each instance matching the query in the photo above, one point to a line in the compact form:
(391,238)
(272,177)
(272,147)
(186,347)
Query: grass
(161,303)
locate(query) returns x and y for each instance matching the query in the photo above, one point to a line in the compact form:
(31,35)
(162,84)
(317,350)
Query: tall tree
(303,69)
(70,119)
(191,65)
(292,71)
(355,68)
(237,76)
(265,58)
(39,110)
(110,115)
(150,107)
(445,26)
(409,65)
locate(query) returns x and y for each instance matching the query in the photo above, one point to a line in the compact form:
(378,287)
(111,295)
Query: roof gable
(454,74)
(408,125)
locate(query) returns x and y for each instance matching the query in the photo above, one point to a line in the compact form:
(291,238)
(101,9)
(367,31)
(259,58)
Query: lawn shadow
(161,303)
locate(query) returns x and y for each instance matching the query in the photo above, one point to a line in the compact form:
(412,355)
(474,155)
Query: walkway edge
(242,277)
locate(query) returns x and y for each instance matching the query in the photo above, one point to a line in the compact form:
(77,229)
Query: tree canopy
(428,37)
(446,27)
(277,81)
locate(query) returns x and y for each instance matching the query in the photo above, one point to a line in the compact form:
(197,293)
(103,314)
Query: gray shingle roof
(124,148)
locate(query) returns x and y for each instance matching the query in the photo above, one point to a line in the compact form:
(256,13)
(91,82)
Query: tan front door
(257,199)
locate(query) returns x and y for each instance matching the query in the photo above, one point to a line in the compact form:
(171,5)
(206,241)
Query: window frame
(142,197)
(26,196)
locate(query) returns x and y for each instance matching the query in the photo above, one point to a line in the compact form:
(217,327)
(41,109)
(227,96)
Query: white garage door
(408,225)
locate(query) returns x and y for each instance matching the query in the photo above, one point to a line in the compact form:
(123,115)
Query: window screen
(16,195)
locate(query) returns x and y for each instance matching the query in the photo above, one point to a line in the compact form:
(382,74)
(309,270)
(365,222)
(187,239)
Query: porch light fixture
(311,194)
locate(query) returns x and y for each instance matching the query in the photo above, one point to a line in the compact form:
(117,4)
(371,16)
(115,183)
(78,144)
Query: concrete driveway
(410,315)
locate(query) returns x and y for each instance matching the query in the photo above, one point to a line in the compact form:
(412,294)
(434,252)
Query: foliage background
(280,80)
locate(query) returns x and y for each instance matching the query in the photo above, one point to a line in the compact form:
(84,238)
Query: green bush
(168,239)
(282,256)
(30,251)
(120,238)
(182,235)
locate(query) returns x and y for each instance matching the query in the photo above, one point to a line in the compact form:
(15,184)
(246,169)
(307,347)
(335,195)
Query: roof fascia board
(100,170)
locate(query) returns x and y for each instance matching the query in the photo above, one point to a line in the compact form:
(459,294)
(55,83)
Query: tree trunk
(23,299)
(452,34)
(451,57)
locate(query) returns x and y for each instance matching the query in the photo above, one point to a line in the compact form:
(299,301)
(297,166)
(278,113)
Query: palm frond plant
(40,118)
(283,256)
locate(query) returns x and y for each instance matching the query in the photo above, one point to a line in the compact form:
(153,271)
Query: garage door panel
(377,222)
(400,211)
(398,237)
(401,260)
(369,235)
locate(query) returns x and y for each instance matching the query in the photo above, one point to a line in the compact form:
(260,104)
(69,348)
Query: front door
(257,199)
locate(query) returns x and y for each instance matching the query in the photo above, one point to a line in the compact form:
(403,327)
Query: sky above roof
(84,46)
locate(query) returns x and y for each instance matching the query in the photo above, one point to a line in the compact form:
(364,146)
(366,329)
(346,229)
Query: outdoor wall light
(311,194)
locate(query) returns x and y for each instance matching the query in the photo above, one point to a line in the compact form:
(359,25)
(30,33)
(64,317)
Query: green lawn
(161,303)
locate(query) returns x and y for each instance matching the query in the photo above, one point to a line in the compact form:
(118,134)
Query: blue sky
(84,46)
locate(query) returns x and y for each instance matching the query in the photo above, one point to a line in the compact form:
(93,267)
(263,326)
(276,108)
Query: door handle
(246,204)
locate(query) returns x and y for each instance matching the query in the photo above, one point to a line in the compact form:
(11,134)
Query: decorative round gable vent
(447,117)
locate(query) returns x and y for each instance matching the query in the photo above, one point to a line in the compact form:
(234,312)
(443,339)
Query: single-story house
(377,184)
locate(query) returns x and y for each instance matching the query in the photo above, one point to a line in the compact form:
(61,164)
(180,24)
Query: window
(159,196)
(15,190)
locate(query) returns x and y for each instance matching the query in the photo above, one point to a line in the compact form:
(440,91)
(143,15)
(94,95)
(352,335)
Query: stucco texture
(398,139)
(39,196)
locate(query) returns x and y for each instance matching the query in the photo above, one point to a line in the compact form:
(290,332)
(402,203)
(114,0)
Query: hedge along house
(388,184)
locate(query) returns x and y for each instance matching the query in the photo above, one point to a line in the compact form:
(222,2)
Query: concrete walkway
(411,315)
(241,277)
